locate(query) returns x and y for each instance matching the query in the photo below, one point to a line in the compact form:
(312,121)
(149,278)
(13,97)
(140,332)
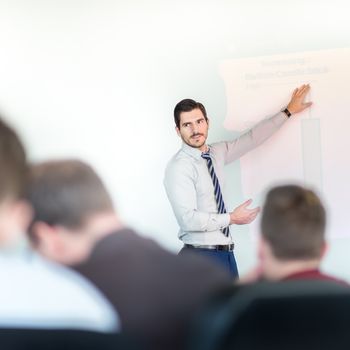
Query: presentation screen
(311,148)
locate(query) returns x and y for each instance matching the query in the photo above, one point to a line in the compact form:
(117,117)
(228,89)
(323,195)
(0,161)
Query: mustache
(194,135)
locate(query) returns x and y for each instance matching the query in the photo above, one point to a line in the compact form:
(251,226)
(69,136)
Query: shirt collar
(303,274)
(191,151)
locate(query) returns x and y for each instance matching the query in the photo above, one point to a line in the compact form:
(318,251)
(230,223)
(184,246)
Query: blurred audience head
(15,213)
(72,209)
(292,231)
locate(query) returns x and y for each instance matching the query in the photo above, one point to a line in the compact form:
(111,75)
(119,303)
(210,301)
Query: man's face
(193,129)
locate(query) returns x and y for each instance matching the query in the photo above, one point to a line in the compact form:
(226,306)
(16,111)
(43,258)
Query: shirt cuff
(224,220)
(281,117)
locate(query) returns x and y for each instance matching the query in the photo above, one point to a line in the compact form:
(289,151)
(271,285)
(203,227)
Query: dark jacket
(155,292)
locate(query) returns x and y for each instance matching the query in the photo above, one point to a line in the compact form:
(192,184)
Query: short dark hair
(65,192)
(13,164)
(187,105)
(293,223)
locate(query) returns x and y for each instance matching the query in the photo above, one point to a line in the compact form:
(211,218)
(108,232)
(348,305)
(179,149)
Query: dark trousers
(225,259)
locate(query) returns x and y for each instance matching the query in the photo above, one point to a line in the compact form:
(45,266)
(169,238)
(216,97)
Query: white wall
(98,79)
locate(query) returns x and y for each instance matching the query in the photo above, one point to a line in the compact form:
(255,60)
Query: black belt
(225,248)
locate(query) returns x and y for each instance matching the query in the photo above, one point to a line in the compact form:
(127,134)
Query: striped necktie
(217,191)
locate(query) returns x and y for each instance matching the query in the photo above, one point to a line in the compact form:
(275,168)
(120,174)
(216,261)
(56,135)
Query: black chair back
(292,315)
(47,339)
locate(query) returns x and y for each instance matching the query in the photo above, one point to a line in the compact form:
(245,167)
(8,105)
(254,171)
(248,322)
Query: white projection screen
(311,148)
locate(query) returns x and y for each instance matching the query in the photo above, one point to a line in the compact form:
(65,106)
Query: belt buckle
(226,248)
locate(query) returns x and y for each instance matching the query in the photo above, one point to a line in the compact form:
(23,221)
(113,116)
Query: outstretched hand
(242,215)
(297,103)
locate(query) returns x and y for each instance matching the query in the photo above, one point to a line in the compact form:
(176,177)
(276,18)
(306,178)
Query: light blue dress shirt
(190,190)
(36,293)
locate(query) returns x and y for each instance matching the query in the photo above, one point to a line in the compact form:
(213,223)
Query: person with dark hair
(292,243)
(36,293)
(155,292)
(194,179)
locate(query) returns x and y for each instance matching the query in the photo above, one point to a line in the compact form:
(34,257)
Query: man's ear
(177,131)
(262,248)
(324,249)
(46,238)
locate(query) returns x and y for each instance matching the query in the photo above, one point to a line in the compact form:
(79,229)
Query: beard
(195,143)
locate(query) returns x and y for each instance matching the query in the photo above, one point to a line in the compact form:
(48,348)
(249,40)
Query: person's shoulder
(119,249)
(120,241)
(191,267)
(315,274)
(58,295)
(180,163)
(74,295)
(179,159)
